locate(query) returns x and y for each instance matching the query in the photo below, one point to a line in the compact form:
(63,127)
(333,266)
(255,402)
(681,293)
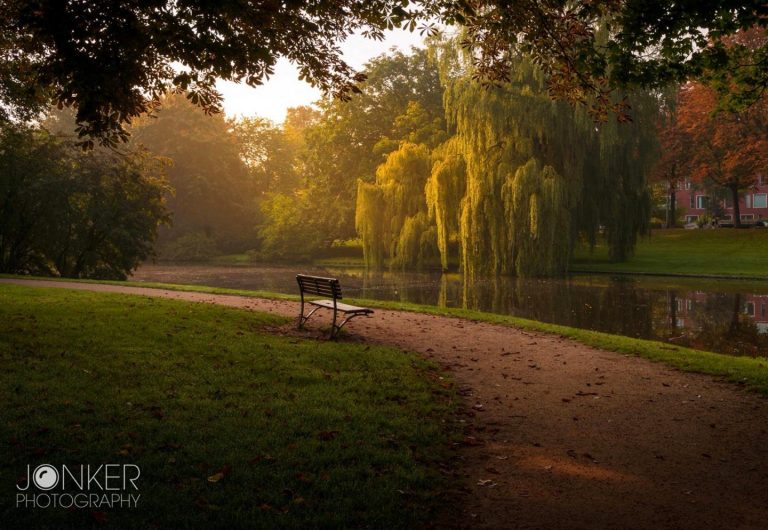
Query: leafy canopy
(113,60)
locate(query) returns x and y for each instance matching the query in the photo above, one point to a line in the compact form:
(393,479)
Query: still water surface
(726,316)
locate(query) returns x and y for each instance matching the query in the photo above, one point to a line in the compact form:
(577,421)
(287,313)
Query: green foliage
(370,222)
(115,63)
(193,246)
(596,177)
(215,193)
(400,101)
(537,208)
(72,213)
(392,212)
(275,154)
(593,51)
(417,242)
(444,192)
(288,232)
(519,181)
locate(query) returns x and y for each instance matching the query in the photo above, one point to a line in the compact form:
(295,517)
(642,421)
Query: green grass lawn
(232,424)
(724,251)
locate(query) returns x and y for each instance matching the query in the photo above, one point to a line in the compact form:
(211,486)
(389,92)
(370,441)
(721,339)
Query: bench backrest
(319,286)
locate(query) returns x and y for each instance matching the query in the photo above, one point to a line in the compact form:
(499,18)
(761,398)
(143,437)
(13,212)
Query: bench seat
(344,308)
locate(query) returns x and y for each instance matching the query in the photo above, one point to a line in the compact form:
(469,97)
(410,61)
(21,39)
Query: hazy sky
(284,90)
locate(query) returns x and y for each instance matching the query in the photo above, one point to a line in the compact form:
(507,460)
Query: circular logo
(45,477)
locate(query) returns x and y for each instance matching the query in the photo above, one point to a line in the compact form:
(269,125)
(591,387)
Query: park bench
(330,287)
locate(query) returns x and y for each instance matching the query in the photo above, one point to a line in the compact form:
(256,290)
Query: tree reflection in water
(724,316)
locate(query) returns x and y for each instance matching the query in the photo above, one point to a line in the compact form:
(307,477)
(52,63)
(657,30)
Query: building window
(727,217)
(748,201)
(692,199)
(749,308)
(762,310)
(747,217)
(701,201)
(687,184)
(691,218)
(760,200)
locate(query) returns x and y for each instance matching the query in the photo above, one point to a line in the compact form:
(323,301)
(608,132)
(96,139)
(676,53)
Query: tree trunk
(672,210)
(736,212)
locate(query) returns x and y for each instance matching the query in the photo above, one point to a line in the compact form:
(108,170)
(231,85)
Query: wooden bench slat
(344,308)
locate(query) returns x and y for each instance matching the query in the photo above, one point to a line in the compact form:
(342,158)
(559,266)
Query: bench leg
(303,319)
(336,329)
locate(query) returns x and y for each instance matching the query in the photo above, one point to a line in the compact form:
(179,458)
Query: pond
(726,316)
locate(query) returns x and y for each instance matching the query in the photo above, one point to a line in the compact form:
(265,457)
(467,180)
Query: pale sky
(284,90)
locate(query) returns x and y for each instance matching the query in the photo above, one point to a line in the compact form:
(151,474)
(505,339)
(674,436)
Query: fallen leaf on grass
(304,477)
(327,436)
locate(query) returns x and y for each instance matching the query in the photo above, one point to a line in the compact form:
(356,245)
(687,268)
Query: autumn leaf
(327,436)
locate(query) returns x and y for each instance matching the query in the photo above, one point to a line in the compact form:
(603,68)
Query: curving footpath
(562,435)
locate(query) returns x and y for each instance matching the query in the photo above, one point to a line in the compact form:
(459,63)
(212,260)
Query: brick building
(753,204)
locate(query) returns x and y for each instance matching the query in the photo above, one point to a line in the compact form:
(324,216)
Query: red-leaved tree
(728,149)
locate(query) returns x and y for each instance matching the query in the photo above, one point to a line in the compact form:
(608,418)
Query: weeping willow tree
(444,191)
(370,222)
(537,211)
(539,174)
(391,214)
(520,180)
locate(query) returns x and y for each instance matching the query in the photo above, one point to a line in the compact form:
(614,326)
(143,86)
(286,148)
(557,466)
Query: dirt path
(561,435)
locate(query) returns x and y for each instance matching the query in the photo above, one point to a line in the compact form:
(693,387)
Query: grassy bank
(232,424)
(727,252)
(749,372)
